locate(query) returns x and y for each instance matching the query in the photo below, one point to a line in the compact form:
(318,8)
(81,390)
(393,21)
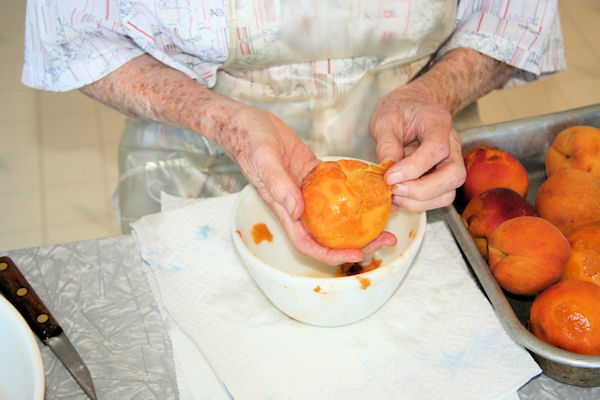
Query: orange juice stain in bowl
(349,269)
(261,232)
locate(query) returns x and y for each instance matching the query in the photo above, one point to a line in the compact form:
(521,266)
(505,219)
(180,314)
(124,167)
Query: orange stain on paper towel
(261,232)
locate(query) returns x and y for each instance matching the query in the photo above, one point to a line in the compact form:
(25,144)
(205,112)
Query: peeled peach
(570,199)
(527,254)
(567,316)
(488,167)
(576,147)
(584,263)
(346,203)
(489,209)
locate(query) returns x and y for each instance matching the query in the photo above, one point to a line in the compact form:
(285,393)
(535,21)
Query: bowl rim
(32,344)
(340,283)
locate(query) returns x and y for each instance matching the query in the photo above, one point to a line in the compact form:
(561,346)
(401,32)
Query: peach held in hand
(570,199)
(489,209)
(346,203)
(567,316)
(490,167)
(576,147)
(527,254)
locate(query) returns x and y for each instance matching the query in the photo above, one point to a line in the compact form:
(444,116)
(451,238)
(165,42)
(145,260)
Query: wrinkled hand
(419,137)
(274,160)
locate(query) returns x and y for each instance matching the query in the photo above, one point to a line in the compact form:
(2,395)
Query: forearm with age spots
(150,90)
(459,78)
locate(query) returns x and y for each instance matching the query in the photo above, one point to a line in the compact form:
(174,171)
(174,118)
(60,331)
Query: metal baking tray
(527,139)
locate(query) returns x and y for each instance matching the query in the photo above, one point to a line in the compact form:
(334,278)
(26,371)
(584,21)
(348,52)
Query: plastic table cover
(98,291)
(99,294)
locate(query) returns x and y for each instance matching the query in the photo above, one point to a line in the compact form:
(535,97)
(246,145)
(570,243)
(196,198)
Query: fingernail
(290,206)
(356,258)
(400,190)
(394,178)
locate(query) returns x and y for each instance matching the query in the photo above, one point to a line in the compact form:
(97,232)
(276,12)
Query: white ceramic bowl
(308,290)
(21,368)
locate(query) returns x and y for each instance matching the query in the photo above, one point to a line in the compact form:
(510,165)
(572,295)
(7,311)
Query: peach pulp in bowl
(313,292)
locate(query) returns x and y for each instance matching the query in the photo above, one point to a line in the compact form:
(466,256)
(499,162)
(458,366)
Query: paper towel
(437,337)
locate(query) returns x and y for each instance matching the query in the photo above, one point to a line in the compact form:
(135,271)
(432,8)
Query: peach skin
(346,203)
(567,316)
(576,147)
(527,254)
(489,209)
(488,167)
(570,199)
(584,263)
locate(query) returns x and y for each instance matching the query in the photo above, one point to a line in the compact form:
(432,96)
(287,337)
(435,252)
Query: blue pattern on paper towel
(378,374)
(177,262)
(468,357)
(149,261)
(227,391)
(146,262)
(455,362)
(203,231)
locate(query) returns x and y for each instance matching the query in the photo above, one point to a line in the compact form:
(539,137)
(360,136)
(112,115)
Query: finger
(385,239)
(423,205)
(301,165)
(298,158)
(278,186)
(385,129)
(443,179)
(447,176)
(434,147)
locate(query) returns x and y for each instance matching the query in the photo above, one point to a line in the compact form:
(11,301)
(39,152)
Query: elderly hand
(274,160)
(413,126)
(419,137)
(271,156)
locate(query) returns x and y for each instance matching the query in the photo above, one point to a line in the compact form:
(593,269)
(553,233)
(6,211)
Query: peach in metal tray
(527,139)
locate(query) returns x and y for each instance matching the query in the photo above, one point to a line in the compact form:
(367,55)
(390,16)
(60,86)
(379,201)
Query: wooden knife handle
(21,295)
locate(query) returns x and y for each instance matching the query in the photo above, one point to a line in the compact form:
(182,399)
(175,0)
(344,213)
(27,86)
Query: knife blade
(19,292)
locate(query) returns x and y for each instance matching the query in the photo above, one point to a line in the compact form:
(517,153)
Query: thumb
(283,190)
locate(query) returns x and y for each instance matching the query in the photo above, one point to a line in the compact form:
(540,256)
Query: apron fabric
(320,66)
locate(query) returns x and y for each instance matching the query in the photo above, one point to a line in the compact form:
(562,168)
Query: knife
(19,292)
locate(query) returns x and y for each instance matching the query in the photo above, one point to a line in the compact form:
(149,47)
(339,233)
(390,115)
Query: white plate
(21,369)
